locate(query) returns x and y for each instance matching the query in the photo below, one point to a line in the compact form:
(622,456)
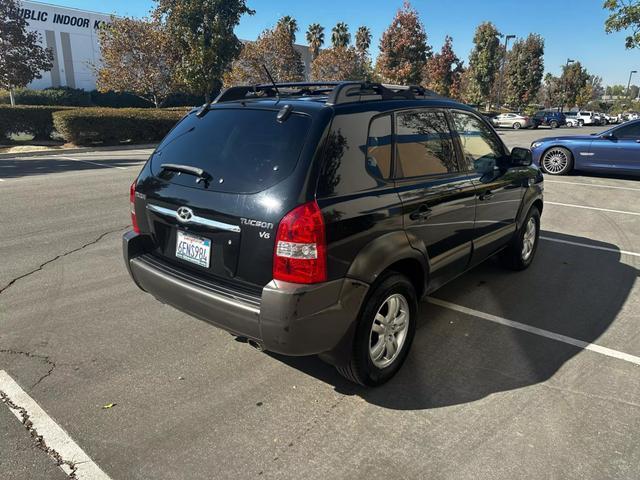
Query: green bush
(35,120)
(65,96)
(118,100)
(86,126)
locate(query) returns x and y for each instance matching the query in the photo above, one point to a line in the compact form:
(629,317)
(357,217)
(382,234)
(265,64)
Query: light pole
(504,61)
(629,82)
(564,84)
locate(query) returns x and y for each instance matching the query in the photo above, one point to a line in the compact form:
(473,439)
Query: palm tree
(290,24)
(315,38)
(340,36)
(363,40)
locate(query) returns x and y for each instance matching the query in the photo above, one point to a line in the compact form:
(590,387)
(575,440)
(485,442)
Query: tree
(338,64)
(403,48)
(204,32)
(524,71)
(625,15)
(485,60)
(443,71)
(22,59)
(340,36)
(363,40)
(315,39)
(273,48)
(573,80)
(290,25)
(550,94)
(138,56)
(634,91)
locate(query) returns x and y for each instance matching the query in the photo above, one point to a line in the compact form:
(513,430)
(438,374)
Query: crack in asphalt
(58,257)
(39,441)
(43,358)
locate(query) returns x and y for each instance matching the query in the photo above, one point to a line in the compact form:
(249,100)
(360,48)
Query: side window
(423,144)
(482,150)
(379,147)
(628,131)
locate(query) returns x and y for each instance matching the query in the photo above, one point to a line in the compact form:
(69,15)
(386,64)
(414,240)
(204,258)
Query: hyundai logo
(184,214)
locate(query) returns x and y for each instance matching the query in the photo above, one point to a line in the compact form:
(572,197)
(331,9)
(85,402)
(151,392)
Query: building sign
(33,15)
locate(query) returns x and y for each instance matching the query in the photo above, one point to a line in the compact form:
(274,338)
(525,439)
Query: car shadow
(30,166)
(458,358)
(607,175)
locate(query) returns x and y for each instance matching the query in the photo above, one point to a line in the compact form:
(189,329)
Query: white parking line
(52,434)
(595,247)
(593,185)
(92,163)
(591,208)
(537,331)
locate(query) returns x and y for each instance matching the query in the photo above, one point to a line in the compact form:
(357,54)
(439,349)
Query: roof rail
(337,92)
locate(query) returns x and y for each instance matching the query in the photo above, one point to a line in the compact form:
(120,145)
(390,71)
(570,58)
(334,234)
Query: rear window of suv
(243,150)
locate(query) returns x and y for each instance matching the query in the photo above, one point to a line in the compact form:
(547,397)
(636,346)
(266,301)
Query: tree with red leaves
(403,48)
(443,71)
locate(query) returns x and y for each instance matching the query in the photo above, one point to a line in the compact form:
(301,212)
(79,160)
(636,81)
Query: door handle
(421,213)
(488,195)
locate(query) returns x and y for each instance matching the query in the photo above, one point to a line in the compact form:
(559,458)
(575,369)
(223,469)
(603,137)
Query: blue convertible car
(616,150)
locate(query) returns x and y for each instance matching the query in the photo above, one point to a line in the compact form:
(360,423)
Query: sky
(571,28)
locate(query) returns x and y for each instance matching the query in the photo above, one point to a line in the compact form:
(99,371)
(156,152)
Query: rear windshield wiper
(198,172)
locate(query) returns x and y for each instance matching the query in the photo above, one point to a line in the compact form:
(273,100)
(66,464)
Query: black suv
(311,218)
(549,119)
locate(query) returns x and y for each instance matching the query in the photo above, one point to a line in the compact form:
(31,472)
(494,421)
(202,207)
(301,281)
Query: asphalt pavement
(522,375)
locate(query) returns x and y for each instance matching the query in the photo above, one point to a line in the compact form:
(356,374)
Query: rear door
(499,187)
(222,224)
(438,203)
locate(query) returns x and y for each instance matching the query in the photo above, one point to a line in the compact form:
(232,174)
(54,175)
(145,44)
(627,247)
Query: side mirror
(521,157)
(609,136)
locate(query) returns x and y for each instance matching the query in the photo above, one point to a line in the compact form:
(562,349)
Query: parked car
(612,119)
(311,218)
(616,150)
(549,119)
(512,120)
(600,118)
(587,117)
(572,119)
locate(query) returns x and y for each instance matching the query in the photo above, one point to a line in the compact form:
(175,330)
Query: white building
(72,35)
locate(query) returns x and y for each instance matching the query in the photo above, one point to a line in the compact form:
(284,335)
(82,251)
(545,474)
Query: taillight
(132,204)
(301,253)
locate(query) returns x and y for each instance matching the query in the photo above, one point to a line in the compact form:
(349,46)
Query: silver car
(512,120)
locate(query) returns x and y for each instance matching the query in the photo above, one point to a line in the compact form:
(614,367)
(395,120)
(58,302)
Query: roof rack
(337,92)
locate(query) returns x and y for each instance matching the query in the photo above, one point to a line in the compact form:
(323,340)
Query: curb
(69,151)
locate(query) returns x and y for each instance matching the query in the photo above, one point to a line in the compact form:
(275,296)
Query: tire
(517,126)
(522,249)
(556,161)
(553,124)
(534,126)
(362,368)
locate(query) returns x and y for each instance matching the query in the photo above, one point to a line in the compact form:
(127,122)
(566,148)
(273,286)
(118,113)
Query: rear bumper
(287,318)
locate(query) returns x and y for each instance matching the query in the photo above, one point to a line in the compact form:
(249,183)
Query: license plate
(193,249)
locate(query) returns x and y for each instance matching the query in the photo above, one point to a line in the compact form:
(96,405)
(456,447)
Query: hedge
(76,97)
(35,120)
(71,97)
(86,126)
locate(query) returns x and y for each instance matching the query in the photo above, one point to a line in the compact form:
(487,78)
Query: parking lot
(534,374)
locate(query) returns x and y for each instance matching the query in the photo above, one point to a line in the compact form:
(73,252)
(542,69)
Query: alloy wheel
(389,330)
(529,239)
(555,161)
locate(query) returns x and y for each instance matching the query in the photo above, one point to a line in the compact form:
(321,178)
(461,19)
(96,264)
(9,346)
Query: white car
(572,119)
(512,120)
(588,118)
